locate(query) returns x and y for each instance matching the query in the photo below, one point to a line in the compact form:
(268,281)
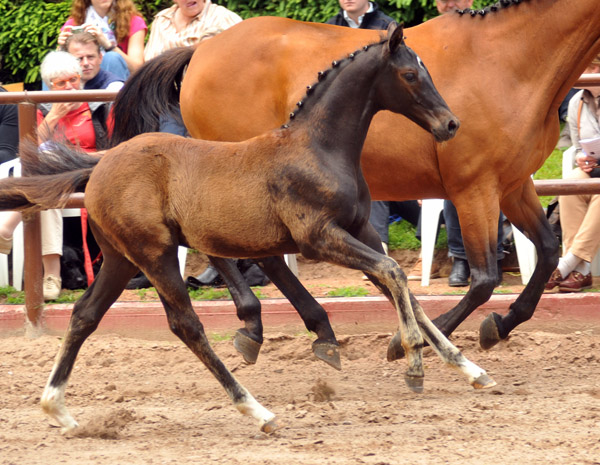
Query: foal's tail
(152,91)
(54,175)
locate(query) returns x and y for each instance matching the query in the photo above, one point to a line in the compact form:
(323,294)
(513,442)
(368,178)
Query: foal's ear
(395,37)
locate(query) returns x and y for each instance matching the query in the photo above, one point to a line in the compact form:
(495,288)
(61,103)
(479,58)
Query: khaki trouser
(580,221)
(52,232)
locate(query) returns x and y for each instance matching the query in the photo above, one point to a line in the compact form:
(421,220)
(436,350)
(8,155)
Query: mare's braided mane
(336,65)
(489,9)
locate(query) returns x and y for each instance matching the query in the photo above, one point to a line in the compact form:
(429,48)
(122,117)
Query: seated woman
(580,214)
(119,27)
(73,122)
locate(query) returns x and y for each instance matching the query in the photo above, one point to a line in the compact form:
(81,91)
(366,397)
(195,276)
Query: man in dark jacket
(360,14)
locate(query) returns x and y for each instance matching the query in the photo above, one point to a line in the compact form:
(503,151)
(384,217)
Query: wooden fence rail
(28,100)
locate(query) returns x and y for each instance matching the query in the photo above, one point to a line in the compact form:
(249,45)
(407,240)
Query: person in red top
(119,28)
(69,121)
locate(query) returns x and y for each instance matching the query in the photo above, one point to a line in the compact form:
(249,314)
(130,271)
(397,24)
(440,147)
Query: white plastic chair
(431,209)
(13,168)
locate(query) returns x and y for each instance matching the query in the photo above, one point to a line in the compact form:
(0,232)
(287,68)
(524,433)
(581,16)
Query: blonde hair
(120,13)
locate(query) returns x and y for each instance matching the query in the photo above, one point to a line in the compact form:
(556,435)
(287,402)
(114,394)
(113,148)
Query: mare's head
(406,87)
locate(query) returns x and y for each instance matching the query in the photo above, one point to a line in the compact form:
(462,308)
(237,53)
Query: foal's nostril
(452,126)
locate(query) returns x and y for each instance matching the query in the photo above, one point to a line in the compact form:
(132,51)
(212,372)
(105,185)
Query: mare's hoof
(270,426)
(246,346)
(483,382)
(489,335)
(328,352)
(414,383)
(395,350)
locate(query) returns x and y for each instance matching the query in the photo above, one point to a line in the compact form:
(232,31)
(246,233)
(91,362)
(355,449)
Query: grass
(552,169)
(349,291)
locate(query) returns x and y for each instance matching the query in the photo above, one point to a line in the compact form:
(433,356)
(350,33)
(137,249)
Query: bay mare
(295,189)
(503,70)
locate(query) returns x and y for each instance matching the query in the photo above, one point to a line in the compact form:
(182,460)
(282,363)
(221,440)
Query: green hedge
(29,28)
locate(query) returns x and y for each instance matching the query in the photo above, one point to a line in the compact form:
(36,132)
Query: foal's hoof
(395,350)
(414,383)
(246,346)
(489,335)
(270,426)
(483,382)
(328,352)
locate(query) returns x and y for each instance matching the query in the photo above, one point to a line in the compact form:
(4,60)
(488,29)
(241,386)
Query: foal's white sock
(584,267)
(567,264)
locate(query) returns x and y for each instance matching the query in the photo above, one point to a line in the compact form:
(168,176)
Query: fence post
(33,276)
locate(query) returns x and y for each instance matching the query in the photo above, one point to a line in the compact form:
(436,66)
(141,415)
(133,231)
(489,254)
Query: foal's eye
(410,77)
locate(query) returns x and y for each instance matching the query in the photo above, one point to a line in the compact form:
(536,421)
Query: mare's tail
(53,175)
(152,91)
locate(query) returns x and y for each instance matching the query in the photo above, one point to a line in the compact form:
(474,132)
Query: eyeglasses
(61,84)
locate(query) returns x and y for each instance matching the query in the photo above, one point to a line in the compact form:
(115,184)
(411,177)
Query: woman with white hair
(70,121)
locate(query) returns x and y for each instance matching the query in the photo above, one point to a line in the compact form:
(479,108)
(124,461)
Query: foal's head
(407,88)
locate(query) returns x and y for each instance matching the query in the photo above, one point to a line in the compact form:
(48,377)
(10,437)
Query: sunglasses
(62,83)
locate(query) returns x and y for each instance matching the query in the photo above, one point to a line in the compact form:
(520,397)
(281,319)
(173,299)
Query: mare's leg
(480,238)
(477,377)
(115,273)
(163,272)
(248,339)
(522,208)
(315,318)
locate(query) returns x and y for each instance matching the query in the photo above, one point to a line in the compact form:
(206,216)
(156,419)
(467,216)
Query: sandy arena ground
(150,401)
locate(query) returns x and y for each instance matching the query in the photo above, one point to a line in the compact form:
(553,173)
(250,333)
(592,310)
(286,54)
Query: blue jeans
(172,125)
(115,63)
(456,247)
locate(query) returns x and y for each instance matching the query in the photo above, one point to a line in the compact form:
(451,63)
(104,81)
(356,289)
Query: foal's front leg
(248,340)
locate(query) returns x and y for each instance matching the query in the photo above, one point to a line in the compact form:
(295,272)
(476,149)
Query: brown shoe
(576,282)
(554,280)
(417,271)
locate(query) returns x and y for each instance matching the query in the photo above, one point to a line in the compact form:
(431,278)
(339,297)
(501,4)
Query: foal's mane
(331,72)
(489,9)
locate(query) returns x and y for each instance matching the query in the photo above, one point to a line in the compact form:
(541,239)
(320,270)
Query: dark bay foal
(299,188)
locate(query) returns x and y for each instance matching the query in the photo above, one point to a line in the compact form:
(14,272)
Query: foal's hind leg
(112,278)
(183,321)
(337,246)
(248,340)
(312,313)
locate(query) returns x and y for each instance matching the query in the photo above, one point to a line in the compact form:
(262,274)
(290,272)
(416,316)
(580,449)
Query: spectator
(118,27)
(187,23)
(580,214)
(85,47)
(448,6)
(360,14)
(60,71)
(9,134)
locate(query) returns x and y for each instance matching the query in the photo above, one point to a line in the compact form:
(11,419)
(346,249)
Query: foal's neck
(338,109)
